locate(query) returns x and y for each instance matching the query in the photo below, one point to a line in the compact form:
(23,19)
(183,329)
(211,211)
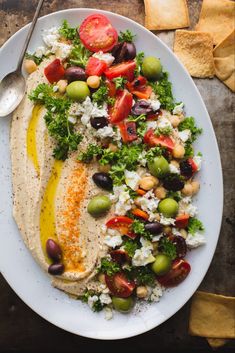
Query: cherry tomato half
(139,88)
(54,71)
(125,69)
(97,33)
(111,88)
(120,256)
(193,165)
(122,224)
(179,271)
(122,107)
(128,131)
(152,140)
(119,285)
(95,67)
(182,221)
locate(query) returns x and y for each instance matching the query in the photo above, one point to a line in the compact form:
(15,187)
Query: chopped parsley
(174,195)
(167,247)
(139,61)
(154,152)
(67,32)
(130,246)
(97,305)
(166,131)
(108,267)
(139,228)
(92,151)
(189,123)
(143,276)
(163,89)
(141,123)
(189,151)
(56,119)
(120,82)
(126,36)
(79,55)
(195,225)
(35,58)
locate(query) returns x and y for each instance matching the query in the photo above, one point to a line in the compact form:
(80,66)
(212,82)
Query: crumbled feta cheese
(61,50)
(184,135)
(105,298)
(50,36)
(142,159)
(72,119)
(198,161)
(186,207)
(193,241)
(108,313)
(176,232)
(157,237)
(151,125)
(154,103)
(178,109)
(143,256)
(91,300)
(55,88)
(163,122)
(154,294)
(107,57)
(149,203)
(88,110)
(174,169)
(40,95)
(106,131)
(112,242)
(132,179)
(123,200)
(166,221)
(40,51)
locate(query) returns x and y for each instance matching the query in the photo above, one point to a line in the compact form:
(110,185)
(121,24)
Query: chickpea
(175,164)
(157,217)
(141,292)
(187,190)
(113,147)
(62,84)
(196,186)
(175,120)
(148,182)
(104,168)
(183,233)
(101,278)
(30,66)
(137,201)
(160,192)
(166,229)
(93,81)
(178,151)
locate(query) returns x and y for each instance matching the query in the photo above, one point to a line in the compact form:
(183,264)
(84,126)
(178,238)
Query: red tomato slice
(111,87)
(193,165)
(128,131)
(54,71)
(122,107)
(125,69)
(119,256)
(119,285)
(179,271)
(95,67)
(151,139)
(182,221)
(122,224)
(97,33)
(143,92)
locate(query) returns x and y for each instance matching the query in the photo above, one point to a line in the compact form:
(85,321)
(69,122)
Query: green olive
(122,304)
(161,265)
(99,205)
(151,68)
(159,167)
(78,90)
(168,207)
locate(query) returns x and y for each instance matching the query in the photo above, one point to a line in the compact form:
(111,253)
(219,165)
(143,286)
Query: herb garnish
(126,36)
(97,305)
(139,228)
(195,225)
(92,151)
(167,247)
(67,32)
(79,55)
(108,267)
(163,89)
(120,82)
(35,58)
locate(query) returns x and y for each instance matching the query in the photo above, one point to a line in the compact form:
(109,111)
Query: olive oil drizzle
(31,138)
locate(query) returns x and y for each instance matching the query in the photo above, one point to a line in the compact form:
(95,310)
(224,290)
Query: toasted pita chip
(195,51)
(166,14)
(224,59)
(216,342)
(218,18)
(212,316)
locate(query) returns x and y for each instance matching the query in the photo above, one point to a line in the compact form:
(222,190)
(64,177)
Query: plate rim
(194,287)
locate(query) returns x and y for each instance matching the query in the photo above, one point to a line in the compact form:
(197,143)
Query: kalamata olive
(75,73)
(99,122)
(53,250)
(181,247)
(186,169)
(141,107)
(103,180)
(173,182)
(120,256)
(130,51)
(56,269)
(153,228)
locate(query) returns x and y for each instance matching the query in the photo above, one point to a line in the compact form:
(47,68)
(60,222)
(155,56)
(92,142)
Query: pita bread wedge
(218,18)
(224,59)
(166,14)
(212,316)
(195,51)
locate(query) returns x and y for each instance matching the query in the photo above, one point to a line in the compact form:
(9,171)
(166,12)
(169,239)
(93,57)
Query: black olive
(99,122)
(141,107)
(124,51)
(180,244)
(186,169)
(130,53)
(103,180)
(154,227)
(173,182)
(75,73)
(56,269)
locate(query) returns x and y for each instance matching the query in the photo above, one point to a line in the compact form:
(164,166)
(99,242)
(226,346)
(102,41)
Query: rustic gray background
(23,330)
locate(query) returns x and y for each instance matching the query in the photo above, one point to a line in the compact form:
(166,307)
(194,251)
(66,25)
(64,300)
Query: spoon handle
(29,35)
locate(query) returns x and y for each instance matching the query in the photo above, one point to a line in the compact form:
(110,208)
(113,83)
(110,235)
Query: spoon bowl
(12,90)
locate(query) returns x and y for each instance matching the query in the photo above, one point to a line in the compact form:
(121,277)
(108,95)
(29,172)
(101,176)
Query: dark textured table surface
(21,330)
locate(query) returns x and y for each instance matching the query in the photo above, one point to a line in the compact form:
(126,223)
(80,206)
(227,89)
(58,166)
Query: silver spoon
(13,85)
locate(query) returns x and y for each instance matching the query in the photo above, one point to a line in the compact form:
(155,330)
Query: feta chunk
(123,200)
(87,110)
(149,203)
(187,207)
(106,131)
(72,119)
(184,135)
(113,238)
(143,256)
(154,294)
(151,125)
(166,221)
(198,161)
(178,109)
(61,50)
(163,122)
(108,313)
(174,169)
(107,57)
(40,51)
(193,241)
(51,36)
(91,300)
(105,299)
(155,104)
(132,179)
